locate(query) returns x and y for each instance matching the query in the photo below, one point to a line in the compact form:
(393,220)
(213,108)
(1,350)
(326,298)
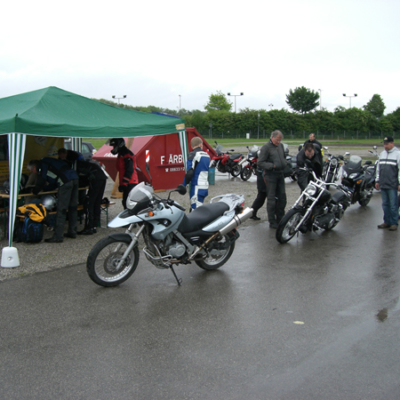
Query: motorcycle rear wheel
(217,258)
(245,173)
(103,260)
(236,170)
(286,229)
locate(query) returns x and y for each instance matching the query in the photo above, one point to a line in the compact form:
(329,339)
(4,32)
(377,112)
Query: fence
(337,135)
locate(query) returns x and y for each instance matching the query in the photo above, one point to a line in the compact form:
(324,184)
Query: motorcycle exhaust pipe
(237,220)
(242,161)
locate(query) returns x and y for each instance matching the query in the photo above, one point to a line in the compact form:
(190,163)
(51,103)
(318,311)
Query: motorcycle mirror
(300,147)
(326,148)
(375,147)
(181,189)
(347,153)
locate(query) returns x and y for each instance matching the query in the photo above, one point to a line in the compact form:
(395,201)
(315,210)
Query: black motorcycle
(331,168)
(357,180)
(292,163)
(316,208)
(370,169)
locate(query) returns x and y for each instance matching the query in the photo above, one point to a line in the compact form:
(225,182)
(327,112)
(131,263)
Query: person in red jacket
(126,166)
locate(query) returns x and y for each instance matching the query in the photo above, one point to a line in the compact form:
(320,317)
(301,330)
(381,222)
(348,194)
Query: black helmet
(117,144)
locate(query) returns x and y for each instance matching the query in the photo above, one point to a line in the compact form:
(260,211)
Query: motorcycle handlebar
(173,203)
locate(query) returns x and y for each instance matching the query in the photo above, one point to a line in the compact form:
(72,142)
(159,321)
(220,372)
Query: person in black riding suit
(94,177)
(57,174)
(273,161)
(311,153)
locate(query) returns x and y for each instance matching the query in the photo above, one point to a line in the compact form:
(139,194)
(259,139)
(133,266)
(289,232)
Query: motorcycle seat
(202,216)
(234,156)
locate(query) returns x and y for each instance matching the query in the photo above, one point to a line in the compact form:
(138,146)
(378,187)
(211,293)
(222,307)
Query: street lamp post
(320,97)
(119,98)
(258,127)
(355,95)
(235,95)
(270,106)
(179,102)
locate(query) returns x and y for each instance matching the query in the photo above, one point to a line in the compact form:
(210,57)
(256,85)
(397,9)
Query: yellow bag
(35,212)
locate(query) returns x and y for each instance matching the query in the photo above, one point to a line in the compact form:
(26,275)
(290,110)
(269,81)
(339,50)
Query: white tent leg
(16,151)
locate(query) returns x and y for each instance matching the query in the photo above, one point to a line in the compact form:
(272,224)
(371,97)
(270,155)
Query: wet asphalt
(317,318)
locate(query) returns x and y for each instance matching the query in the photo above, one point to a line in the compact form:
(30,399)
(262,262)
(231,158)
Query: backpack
(28,231)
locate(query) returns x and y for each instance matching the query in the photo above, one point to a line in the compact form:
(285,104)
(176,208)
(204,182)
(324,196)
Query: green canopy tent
(54,112)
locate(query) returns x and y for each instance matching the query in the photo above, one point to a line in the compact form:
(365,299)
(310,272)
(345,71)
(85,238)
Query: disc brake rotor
(111,262)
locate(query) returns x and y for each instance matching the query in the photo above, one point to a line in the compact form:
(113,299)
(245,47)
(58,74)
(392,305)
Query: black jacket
(303,177)
(272,158)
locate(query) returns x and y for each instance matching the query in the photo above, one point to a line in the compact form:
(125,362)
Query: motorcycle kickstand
(179,280)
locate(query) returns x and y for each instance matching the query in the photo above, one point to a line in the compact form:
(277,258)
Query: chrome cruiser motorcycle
(206,236)
(316,208)
(332,164)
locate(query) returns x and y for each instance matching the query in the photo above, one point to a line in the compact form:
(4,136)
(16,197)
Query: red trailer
(164,156)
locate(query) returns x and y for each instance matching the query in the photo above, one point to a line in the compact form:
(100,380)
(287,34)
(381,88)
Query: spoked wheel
(217,257)
(287,227)
(245,173)
(102,262)
(236,170)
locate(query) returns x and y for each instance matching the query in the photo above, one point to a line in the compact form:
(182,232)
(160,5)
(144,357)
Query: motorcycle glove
(189,176)
(121,188)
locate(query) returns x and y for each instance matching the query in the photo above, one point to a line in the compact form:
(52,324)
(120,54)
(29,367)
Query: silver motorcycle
(206,236)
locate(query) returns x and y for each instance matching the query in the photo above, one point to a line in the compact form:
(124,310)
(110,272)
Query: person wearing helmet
(126,166)
(197,167)
(57,174)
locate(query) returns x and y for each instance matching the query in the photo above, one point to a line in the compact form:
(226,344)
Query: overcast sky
(154,51)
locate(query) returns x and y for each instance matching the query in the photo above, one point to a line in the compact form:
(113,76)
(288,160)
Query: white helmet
(48,202)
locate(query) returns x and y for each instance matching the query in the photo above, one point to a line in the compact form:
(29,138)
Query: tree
(302,99)
(375,106)
(218,102)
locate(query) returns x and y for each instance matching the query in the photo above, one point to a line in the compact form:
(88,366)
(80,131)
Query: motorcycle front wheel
(287,226)
(236,170)
(364,203)
(217,258)
(245,173)
(103,259)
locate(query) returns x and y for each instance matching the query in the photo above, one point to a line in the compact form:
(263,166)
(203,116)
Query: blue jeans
(390,205)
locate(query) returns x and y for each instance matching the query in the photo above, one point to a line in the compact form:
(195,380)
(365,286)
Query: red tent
(163,154)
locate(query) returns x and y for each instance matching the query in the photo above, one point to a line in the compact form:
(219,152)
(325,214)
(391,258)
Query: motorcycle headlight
(311,190)
(334,162)
(352,176)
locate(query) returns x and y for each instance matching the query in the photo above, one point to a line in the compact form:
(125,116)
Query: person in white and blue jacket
(197,167)
(387,180)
